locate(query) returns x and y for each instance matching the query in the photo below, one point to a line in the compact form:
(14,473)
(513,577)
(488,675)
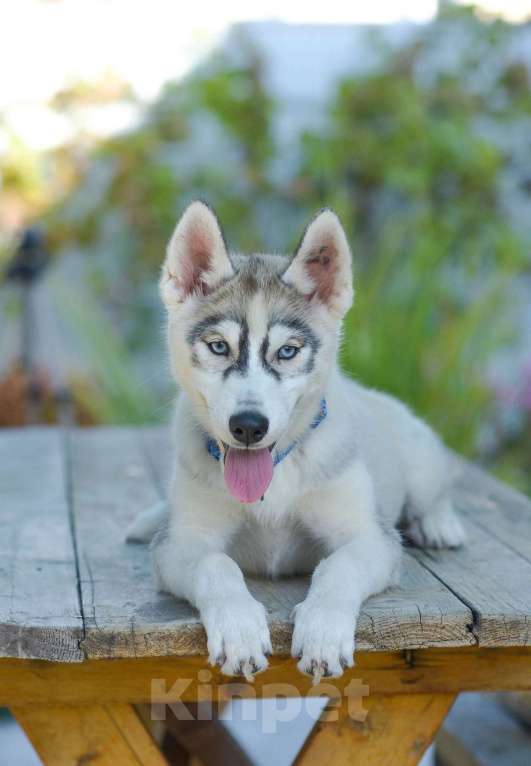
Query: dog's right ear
(196,260)
(321,268)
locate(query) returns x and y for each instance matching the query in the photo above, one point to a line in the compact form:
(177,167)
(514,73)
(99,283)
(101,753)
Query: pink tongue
(248,473)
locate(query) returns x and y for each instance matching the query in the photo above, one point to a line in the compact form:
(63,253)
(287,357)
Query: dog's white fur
(333,504)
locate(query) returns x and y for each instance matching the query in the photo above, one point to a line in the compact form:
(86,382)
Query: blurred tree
(423,158)
(417,186)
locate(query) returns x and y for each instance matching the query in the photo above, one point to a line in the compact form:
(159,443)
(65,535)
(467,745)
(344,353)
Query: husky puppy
(283,465)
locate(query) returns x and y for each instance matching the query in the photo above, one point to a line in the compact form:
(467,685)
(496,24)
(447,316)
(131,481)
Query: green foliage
(151,178)
(122,212)
(20,174)
(238,98)
(402,159)
(418,188)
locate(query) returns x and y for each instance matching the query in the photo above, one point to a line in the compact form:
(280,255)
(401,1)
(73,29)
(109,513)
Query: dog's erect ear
(196,260)
(321,268)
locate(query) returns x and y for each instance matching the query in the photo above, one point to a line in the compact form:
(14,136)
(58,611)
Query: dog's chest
(274,550)
(270,540)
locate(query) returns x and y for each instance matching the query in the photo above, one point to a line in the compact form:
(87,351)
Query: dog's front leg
(192,564)
(325,622)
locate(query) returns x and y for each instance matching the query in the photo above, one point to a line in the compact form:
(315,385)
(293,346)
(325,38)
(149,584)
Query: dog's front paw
(323,639)
(237,635)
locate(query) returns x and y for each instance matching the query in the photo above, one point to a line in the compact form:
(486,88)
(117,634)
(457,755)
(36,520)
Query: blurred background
(412,119)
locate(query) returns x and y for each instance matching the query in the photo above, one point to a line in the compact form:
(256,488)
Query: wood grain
(493,581)
(481,594)
(190,679)
(39,607)
(103,735)
(125,615)
(397,730)
(500,510)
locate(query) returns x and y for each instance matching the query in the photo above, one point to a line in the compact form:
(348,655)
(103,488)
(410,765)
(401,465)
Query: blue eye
(287,352)
(219,347)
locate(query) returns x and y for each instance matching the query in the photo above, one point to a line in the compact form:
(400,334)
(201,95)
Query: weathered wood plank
(420,612)
(492,574)
(39,606)
(499,509)
(492,580)
(496,511)
(124,614)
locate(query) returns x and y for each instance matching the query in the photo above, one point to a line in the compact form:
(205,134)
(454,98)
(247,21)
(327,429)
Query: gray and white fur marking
(333,503)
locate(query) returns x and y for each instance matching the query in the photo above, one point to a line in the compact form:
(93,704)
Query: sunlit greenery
(434,255)
(410,163)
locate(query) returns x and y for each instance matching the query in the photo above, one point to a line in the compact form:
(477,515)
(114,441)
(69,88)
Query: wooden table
(84,635)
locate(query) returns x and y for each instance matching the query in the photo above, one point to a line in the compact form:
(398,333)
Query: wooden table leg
(88,735)
(396,732)
(201,740)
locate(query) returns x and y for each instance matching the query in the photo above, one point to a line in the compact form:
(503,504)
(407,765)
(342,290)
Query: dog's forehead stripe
(263,358)
(257,309)
(242,362)
(257,316)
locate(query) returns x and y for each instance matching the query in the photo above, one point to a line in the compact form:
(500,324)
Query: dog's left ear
(197,260)
(321,268)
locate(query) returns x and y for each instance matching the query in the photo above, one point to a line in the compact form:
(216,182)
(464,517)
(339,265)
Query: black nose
(248,427)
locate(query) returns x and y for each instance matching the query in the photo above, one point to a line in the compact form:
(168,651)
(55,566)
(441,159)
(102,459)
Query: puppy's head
(253,338)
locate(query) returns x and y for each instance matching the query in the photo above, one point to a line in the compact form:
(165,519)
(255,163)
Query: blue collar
(215,452)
